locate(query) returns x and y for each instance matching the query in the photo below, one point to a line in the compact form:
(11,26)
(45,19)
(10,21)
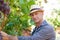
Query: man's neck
(38,23)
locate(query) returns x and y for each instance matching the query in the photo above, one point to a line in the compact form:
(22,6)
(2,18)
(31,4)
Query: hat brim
(36,11)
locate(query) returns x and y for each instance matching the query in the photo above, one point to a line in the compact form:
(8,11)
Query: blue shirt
(44,32)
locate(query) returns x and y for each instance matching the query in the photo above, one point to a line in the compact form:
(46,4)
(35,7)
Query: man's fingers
(8,37)
(3,33)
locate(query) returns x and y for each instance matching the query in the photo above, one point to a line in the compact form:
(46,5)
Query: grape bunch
(4,7)
(1,1)
(0,15)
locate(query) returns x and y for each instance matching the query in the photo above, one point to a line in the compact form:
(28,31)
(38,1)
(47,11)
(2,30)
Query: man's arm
(41,35)
(5,36)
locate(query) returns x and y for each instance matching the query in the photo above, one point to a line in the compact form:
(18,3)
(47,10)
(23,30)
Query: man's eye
(31,14)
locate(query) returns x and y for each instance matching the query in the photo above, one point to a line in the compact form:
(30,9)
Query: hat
(35,8)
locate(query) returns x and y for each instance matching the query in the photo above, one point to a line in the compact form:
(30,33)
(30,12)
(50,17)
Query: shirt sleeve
(41,35)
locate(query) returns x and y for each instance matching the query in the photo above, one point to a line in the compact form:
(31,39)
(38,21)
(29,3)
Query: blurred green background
(19,15)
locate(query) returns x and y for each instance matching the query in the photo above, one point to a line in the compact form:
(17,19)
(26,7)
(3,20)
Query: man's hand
(13,37)
(8,37)
(4,36)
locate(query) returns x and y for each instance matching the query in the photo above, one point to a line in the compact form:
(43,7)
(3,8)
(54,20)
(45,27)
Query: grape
(4,8)
(0,15)
(1,1)
(7,10)
(0,8)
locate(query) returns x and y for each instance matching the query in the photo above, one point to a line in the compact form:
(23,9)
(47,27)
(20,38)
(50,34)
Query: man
(42,31)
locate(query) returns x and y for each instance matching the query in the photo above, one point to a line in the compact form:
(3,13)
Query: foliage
(55,18)
(18,18)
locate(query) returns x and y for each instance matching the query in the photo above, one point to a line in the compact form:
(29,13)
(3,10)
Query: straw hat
(35,8)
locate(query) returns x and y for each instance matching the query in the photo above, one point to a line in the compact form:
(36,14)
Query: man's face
(37,16)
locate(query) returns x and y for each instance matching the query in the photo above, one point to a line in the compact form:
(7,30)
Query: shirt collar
(43,24)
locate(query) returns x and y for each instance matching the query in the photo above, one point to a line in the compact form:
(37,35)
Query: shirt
(44,32)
